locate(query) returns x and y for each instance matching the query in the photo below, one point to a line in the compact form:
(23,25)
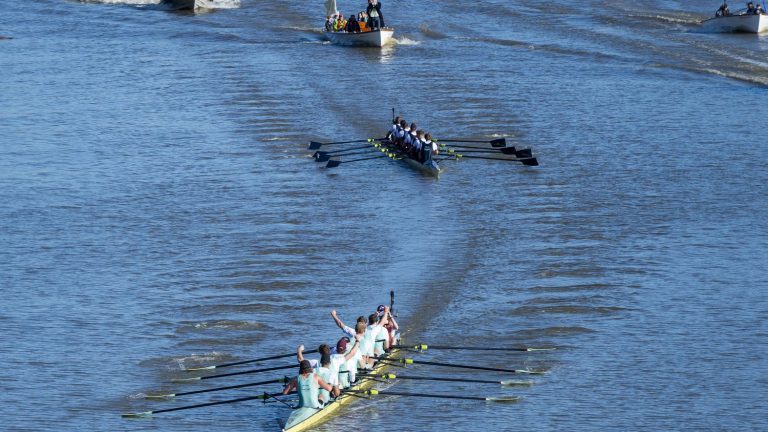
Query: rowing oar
(172,395)
(531,161)
(424,347)
(186,380)
(238,363)
(374,392)
(524,153)
(314,145)
(264,397)
(500,142)
(325,156)
(407,361)
(334,163)
(392,376)
(347,149)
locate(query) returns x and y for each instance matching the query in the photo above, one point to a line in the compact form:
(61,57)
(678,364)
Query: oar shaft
(238,363)
(269,369)
(458,366)
(278,380)
(425,347)
(207,404)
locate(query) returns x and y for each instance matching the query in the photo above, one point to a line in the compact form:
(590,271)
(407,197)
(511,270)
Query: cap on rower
(341,345)
(380,310)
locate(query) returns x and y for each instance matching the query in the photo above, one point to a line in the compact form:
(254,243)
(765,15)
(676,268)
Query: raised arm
(353,351)
(337,320)
(300,353)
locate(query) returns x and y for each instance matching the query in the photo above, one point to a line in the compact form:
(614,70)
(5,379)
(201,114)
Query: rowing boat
(736,24)
(371,38)
(302,419)
(430,167)
(184,4)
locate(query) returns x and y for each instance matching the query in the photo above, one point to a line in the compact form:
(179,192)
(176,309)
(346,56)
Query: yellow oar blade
(503,399)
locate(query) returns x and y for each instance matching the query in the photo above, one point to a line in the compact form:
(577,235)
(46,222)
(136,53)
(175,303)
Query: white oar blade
(138,414)
(200,368)
(530,372)
(517,383)
(159,397)
(540,349)
(184,380)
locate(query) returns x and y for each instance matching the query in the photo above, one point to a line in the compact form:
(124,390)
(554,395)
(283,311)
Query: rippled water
(160,210)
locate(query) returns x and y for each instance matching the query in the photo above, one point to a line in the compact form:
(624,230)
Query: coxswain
(307,385)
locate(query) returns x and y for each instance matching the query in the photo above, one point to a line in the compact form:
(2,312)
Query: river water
(160,210)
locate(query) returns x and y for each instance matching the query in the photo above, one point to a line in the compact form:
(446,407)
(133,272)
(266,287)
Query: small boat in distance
(184,4)
(367,36)
(750,20)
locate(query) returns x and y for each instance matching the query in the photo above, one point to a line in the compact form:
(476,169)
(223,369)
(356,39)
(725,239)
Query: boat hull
(184,4)
(430,167)
(302,419)
(736,24)
(375,38)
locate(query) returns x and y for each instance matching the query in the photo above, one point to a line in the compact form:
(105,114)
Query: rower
(307,385)
(358,334)
(428,143)
(417,144)
(324,369)
(390,324)
(344,362)
(393,130)
(374,333)
(401,133)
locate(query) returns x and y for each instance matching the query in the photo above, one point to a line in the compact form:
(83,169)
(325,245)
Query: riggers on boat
(429,166)
(302,419)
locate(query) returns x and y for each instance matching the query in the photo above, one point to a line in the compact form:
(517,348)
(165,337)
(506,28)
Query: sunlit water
(160,209)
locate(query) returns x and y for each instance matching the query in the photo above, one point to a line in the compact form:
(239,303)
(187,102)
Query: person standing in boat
(375,18)
(390,325)
(307,385)
(723,10)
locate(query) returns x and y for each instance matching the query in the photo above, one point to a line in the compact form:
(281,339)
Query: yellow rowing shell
(302,419)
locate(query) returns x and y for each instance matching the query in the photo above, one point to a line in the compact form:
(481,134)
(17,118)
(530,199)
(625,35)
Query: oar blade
(524,153)
(503,399)
(322,157)
(314,145)
(333,163)
(509,151)
(138,414)
(516,383)
(540,349)
(500,142)
(185,380)
(160,397)
(530,372)
(204,368)
(530,161)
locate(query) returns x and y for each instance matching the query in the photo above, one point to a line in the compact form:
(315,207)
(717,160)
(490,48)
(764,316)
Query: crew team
(411,140)
(322,380)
